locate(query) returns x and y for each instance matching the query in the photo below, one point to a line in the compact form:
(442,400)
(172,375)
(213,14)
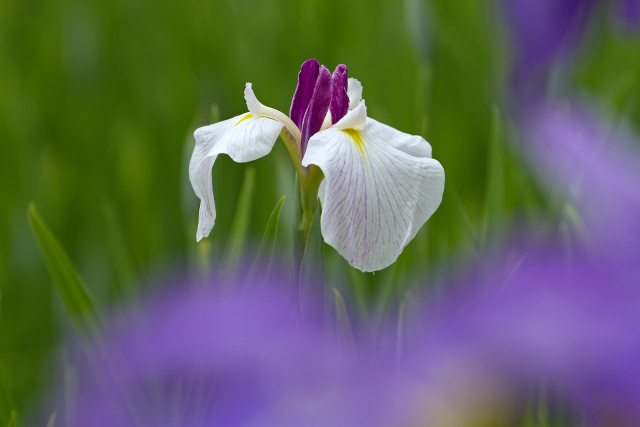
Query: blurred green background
(99,101)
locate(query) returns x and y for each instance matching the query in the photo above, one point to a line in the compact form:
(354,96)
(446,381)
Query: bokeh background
(99,101)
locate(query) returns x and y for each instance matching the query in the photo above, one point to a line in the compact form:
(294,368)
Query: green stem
(293,147)
(308,181)
(309,184)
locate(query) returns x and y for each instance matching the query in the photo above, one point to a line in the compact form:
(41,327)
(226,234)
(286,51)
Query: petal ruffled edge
(376,195)
(354,92)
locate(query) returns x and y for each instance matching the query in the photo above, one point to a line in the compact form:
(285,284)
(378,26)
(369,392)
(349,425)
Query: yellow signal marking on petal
(248,116)
(358,139)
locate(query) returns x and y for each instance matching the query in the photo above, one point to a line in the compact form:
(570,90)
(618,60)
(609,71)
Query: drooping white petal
(354,92)
(244,138)
(378,194)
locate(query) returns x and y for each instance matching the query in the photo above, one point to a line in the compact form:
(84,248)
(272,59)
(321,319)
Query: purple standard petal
(318,107)
(306,83)
(339,98)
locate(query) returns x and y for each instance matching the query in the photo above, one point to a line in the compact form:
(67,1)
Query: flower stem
(293,147)
(305,205)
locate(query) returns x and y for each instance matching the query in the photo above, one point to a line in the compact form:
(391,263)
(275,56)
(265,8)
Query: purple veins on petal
(339,98)
(318,107)
(306,84)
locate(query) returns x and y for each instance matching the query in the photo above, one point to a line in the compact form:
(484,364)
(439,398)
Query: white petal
(377,194)
(355,118)
(257,109)
(244,138)
(322,191)
(411,144)
(354,92)
(253,105)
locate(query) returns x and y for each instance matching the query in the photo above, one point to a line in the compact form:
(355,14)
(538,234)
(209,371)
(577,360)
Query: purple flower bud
(339,98)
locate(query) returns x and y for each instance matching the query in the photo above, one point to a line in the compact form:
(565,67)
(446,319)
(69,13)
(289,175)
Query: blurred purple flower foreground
(208,358)
(570,332)
(542,318)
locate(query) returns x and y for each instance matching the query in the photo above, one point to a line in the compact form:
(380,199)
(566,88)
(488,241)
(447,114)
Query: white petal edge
(375,200)
(413,145)
(244,138)
(354,119)
(257,109)
(354,92)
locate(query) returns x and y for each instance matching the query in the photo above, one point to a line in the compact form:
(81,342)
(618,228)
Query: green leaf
(360,283)
(7,402)
(52,420)
(73,291)
(215,113)
(312,273)
(345,334)
(298,229)
(400,328)
(12,420)
(263,259)
(120,254)
(238,235)
(463,218)
(494,196)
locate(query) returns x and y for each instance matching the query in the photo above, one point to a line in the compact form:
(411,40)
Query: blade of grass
(464,219)
(263,259)
(12,420)
(359,283)
(312,273)
(52,420)
(120,255)
(343,325)
(298,234)
(75,296)
(494,195)
(7,403)
(240,225)
(400,329)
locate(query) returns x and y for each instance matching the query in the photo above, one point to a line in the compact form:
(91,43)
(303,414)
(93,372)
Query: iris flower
(536,329)
(377,185)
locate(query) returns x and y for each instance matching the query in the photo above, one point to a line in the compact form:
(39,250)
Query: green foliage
(96,99)
(240,226)
(263,259)
(77,300)
(343,325)
(12,420)
(311,280)
(52,420)
(494,193)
